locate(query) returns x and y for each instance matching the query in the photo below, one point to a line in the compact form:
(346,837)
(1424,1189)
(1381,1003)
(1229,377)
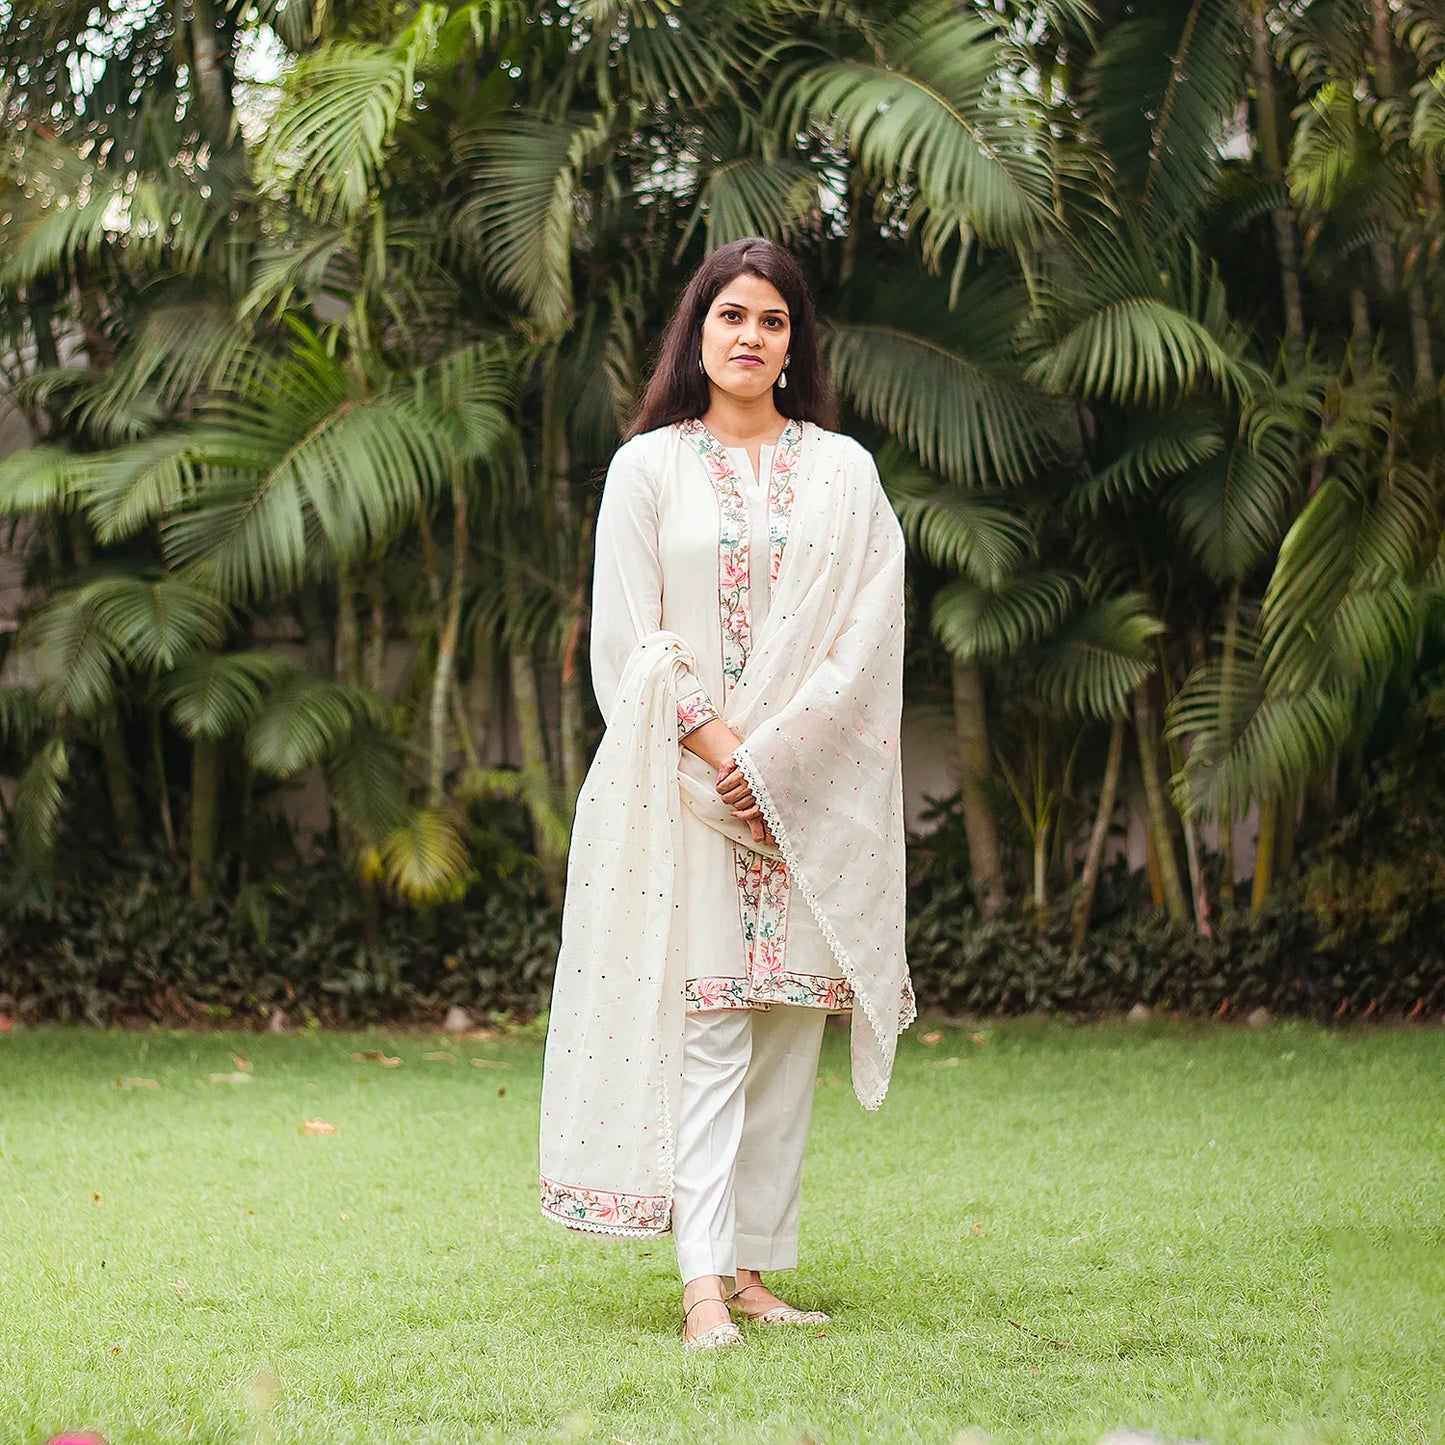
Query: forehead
(753,293)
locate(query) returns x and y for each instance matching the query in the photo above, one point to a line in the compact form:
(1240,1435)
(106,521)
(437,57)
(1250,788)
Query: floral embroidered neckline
(734,576)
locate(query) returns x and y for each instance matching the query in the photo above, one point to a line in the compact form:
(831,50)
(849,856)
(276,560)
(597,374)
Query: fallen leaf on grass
(237,1078)
(375,1056)
(978,1038)
(440,1056)
(489,1064)
(317,1126)
(241,1062)
(136,1084)
(6,1023)
(930,1038)
(182,1289)
(95,1199)
(949,1063)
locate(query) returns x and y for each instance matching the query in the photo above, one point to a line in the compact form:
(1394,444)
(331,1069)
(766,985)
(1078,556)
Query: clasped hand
(714,742)
(734,789)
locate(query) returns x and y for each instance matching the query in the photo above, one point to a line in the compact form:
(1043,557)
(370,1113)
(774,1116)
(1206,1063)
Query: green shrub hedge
(1358,929)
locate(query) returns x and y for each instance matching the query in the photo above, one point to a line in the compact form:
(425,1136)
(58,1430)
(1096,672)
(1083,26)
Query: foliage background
(324,320)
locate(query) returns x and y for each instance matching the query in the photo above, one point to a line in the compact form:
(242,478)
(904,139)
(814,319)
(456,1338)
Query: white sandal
(779,1314)
(719,1337)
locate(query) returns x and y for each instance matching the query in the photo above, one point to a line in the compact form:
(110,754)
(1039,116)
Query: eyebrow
(738,306)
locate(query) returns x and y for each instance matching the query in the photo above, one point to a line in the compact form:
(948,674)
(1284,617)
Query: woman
(736,870)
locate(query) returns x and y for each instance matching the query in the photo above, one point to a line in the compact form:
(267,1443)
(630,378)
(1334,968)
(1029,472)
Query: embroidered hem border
(800,990)
(602,1212)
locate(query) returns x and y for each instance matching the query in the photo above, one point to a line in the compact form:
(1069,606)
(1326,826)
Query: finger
(736,794)
(751,812)
(757,830)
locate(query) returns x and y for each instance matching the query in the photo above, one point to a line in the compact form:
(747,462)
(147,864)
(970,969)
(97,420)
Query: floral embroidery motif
(693,711)
(786,458)
(599,1209)
(711,993)
(734,606)
(763,902)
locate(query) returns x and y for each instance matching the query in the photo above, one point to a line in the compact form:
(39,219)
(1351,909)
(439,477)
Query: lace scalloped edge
(800,880)
(580,1226)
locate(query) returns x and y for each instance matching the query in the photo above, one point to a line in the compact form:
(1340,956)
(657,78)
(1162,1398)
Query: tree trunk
(205,815)
(1226,689)
(527,708)
(970,721)
(1264,850)
(118,782)
(1098,836)
(163,788)
(376,636)
(1198,883)
(210,74)
(571,756)
(1286,233)
(348,630)
(450,630)
(1146,726)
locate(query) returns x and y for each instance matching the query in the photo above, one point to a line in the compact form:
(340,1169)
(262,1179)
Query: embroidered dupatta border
(606,1212)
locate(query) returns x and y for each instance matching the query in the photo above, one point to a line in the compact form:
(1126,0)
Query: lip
(746,360)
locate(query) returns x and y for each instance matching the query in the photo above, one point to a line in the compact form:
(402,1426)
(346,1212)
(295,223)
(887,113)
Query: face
(745,337)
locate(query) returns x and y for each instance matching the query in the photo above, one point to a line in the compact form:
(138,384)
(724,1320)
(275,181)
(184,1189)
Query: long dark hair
(679,388)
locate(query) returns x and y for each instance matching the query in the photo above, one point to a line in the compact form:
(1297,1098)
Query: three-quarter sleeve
(627,586)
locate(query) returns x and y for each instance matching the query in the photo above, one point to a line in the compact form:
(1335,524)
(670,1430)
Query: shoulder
(640,461)
(848,451)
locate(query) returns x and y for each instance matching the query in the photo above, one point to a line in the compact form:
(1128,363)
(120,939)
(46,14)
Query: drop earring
(783,376)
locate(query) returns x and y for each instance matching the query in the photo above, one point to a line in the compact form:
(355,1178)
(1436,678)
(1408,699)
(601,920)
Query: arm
(627,588)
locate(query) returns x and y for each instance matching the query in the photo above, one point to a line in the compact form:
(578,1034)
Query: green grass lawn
(1048,1233)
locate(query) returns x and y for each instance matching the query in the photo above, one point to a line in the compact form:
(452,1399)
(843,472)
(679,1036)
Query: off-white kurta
(689,541)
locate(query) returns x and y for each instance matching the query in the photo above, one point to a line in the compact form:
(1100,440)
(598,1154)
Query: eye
(776,322)
(731,315)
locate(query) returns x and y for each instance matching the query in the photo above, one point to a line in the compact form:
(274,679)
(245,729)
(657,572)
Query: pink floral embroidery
(693,711)
(710,993)
(600,1209)
(734,578)
(780,493)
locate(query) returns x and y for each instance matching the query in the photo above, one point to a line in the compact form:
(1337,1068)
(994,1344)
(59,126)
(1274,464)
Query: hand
(735,790)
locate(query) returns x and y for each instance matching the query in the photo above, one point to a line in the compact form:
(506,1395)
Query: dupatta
(818,706)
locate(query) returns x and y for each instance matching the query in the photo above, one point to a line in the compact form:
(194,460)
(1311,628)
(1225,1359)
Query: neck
(743,421)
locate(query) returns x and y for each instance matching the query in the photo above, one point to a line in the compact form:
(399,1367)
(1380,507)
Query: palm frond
(1326,146)
(20,714)
(219,694)
(39,798)
(331,133)
(976,534)
(1140,350)
(1232,509)
(40,479)
(425,861)
(306,721)
(72,655)
(519,220)
(1100,655)
(1245,740)
(752,195)
(931,115)
(1156,446)
(368,781)
(976,623)
(1160,92)
(978,423)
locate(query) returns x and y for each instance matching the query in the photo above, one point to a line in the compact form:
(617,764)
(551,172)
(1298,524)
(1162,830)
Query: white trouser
(747,1095)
